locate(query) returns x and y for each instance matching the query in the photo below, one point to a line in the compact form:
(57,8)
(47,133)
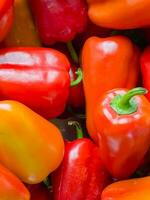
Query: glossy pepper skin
(37,77)
(11,187)
(120,14)
(145,68)
(124,134)
(23,32)
(59,20)
(6,17)
(107,63)
(30,146)
(128,190)
(81,175)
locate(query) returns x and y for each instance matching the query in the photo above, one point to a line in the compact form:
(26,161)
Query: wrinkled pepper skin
(107,63)
(59,20)
(76,94)
(6,17)
(128,190)
(36,77)
(145,68)
(11,187)
(23,32)
(124,139)
(30,146)
(120,14)
(81,175)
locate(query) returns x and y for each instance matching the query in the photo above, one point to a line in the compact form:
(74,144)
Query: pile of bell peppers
(74,100)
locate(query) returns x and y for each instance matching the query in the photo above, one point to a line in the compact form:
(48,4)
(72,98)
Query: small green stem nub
(78,128)
(125,104)
(72,52)
(79,78)
(47,183)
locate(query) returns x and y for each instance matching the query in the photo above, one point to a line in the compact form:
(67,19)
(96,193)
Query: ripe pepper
(37,77)
(122,119)
(107,63)
(23,32)
(59,20)
(81,175)
(39,192)
(6,17)
(11,187)
(145,68)
(30,146)
(128,190)
(76,94)
(120,14)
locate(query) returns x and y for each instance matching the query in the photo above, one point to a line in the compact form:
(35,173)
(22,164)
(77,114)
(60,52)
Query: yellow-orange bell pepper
(120,14)
(134,189)
(23,32)
(30,146)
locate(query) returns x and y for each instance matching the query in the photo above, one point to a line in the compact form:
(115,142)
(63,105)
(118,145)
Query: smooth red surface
(37,77)
(76,94)
(59,20)
(123,139)
(39,192)
(107,63)
(145,68)
(81,175)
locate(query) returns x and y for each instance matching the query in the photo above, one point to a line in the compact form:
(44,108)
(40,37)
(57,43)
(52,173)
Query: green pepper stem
(78,128)
(79,78)
(47,183)
(125,100)
(72,52)
(123,104)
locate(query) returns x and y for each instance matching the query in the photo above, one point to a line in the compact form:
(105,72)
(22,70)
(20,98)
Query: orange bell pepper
(11,188)
(120,14)
(30,146)
(23,32)
(134,189)
(107,63)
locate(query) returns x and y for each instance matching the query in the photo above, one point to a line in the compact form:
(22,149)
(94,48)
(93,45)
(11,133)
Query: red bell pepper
(122,119)
(6,17)
(11,187)
(81,175)
(37,77)
(145,68)
(39,192)
(59,20)
(76,94)
(108,63)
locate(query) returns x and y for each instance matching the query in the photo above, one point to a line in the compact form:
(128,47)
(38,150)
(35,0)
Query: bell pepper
(23,32)
(119,14)
(6,17)
(76,94)
(37,77)
(81,175)
(145,68)
(134,189)
(39,192)
(30,146)
(11,187)
(59,20)
(107,63)
(122,120)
